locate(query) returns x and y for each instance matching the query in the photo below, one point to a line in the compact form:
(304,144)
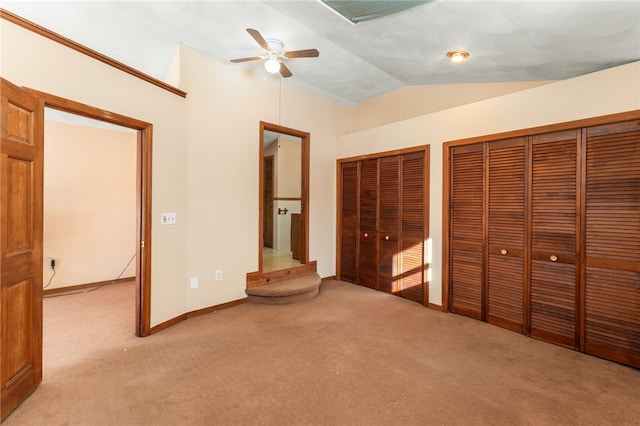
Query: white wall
(606,92)
(89,204)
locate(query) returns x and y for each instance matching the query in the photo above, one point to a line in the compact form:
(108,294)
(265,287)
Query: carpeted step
(286,291)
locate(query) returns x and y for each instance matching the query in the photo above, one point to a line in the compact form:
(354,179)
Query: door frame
(267,213)
(143,192)
(260,277)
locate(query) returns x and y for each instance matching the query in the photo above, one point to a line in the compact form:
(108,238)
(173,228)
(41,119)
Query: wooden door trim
(549,128)
(143,191)
(260,277)
(265,161)
(381,154)
(427,234)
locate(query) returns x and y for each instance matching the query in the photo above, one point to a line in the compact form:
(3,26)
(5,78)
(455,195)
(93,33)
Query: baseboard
(330,278)
(198,312)
(436,307)
(75,288)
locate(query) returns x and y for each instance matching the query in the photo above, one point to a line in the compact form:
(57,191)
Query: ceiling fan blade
(284,71)
(252,58)
(258,38)
(307,53)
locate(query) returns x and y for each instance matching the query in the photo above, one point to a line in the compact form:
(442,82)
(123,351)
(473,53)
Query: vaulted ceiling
(508,40)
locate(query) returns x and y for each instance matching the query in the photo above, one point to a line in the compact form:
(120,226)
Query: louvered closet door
(506,233)
(368,255)
(554,236)
(389,224)
(349,221)
(467,168)
(412,228)
(612,280)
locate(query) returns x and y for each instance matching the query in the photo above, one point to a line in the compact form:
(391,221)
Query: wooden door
(368,214)
(267,234)
(389,224)
(506,233)
(612,276)
(466,231)
(554,237)
(349,228)
(21,245)
(412,228)
(295,233)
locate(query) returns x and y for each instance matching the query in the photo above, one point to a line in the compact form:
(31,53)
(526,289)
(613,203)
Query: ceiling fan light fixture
(457,55)
(272,65)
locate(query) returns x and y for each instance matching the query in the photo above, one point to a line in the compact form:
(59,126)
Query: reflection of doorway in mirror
(286,189)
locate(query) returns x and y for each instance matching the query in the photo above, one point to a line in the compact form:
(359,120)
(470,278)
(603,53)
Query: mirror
(284,178)
(282,184)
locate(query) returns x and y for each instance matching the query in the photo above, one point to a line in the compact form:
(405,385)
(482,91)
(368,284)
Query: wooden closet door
(367,239)
(466,270)
(389,225)
(506,233)
(554,237)
(612,276)
(411,283)
(349,221)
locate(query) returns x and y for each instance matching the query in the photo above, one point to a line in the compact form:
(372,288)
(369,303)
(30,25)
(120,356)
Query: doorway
(143,195)
(283,249)
(21,256)
(89,237)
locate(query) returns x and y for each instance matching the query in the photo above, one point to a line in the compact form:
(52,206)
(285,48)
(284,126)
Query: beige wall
(413,101)
(205,159)
(289,163)
(225,107)
(89,203)
(33,61)
(206,155)
(606,92)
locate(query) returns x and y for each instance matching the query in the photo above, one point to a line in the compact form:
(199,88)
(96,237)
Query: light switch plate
(168,219)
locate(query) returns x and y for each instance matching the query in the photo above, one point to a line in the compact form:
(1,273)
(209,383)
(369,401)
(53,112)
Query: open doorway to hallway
(89,238)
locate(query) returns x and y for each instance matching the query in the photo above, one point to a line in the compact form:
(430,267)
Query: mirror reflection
(282,192)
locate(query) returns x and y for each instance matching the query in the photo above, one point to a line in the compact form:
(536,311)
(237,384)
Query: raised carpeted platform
(286,291)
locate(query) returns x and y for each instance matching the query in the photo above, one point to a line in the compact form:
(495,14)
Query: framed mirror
(284,199)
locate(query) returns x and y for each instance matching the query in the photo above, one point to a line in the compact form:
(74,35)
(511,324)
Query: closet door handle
(386,237)
(366,235)
(553,258)
(503,252)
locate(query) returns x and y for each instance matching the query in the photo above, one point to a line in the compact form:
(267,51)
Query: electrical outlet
(194,283)
(52,264)
(219,275)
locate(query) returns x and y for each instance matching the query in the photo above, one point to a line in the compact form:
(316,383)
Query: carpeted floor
(350,356)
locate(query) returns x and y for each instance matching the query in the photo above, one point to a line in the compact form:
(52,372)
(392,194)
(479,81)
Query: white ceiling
(509,40)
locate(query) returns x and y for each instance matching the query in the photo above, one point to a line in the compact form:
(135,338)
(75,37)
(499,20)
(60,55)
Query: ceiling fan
(275,53)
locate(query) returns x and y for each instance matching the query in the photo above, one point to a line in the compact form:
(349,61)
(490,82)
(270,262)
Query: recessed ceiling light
(457,55)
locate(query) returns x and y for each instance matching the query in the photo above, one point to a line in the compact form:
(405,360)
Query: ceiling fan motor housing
(276,47)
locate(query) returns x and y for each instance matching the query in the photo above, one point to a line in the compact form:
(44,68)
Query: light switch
(168,219)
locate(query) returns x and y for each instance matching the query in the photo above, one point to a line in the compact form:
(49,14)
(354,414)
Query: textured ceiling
(509,41)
